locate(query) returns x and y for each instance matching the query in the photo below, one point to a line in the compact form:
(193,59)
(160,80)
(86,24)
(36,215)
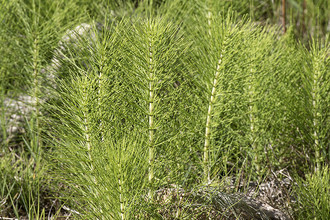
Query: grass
(145,109)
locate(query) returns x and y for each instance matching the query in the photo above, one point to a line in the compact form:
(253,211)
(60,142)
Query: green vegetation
(162,109)
(313,195)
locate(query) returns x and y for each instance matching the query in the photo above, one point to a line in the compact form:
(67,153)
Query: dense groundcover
(199,109)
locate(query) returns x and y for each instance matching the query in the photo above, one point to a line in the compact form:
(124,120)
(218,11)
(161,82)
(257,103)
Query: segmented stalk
(316,112)
(206,150)
(87,131)
(253,120)
(122,205)
(206,167)
(151,116)
(86,123)
(100,87)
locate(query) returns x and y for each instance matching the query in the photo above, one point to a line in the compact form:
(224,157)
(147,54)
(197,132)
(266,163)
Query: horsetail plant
(216,52)
(259,99)
(317,85)
(153,47)
(235,63)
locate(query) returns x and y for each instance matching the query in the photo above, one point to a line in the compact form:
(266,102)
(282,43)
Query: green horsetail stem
(206,150)
(252,119)
(316,111)
(151,117)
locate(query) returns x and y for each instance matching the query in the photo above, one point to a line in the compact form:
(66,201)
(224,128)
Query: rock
(69,39)
(17,111)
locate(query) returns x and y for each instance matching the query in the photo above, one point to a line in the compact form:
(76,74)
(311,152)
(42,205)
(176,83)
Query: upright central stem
(316,113)
(209,22)
(252,118)
(100,89)
(87,132)
(121,201)
(151,117)
(206,150)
